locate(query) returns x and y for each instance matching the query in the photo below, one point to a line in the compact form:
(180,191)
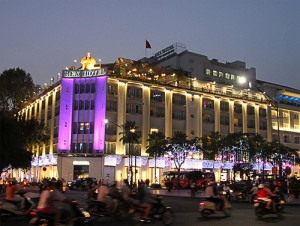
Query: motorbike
(260,207)
(159,212)
(80,217)
(10,208)
(208,207)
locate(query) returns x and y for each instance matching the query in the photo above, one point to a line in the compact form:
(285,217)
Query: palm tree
(157,142)
(130,135)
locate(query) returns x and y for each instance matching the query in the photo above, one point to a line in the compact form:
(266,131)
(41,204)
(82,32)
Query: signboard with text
(84,73)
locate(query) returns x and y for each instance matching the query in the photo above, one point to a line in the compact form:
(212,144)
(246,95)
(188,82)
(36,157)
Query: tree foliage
(16,89)
(12,148)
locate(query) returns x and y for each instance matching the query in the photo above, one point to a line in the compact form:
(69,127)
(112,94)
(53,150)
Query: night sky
(44,37)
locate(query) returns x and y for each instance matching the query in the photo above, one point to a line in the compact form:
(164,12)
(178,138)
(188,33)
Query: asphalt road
(186,214)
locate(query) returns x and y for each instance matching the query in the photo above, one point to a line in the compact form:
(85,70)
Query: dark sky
(43,37)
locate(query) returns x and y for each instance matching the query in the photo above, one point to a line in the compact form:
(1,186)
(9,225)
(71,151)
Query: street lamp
(275,105)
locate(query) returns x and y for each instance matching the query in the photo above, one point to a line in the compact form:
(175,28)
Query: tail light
(255,200)
(33,213)
(201,204)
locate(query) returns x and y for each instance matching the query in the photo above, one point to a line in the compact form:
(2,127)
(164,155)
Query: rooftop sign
(84,73)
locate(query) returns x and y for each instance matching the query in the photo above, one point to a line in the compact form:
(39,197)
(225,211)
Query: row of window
(221,74)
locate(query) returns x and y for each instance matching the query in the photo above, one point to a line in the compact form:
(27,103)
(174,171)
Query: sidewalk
(290,200)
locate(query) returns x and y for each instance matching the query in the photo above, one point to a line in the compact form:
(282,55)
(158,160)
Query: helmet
(261,186)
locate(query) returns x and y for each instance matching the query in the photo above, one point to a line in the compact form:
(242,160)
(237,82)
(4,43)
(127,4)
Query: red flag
(148,46)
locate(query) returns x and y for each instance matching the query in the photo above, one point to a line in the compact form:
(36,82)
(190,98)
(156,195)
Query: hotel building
(175,90)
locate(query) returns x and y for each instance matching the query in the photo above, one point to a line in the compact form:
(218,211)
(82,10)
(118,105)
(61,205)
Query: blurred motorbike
(208,207)
(159,212)
(9,208)
(260,207)
(80,217)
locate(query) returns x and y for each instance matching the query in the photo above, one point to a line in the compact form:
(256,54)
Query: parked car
(81,183)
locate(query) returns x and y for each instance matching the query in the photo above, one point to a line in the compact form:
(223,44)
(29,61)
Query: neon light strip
(100,111)
(65,117)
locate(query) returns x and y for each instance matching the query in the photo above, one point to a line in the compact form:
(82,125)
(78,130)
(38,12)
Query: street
(186,214)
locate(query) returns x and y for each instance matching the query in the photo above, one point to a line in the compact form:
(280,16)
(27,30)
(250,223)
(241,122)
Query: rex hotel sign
(83,73)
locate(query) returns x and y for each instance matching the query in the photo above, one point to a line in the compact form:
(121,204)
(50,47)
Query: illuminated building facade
(175,90)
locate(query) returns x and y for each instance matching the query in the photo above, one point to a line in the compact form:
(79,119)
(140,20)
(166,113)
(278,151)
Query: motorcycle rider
(145,199)
(253,191)
(264,193)
(11,195)
(53,202)
(211,194)
(103,196)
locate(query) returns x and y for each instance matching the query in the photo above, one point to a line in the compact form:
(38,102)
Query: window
(157,96)
(224,106)
(263,125)
(215,73)
(93,88)
(286,138)
(178,99)
(221,74)
(180,115)
(207,71)
(92,104)
(88,88)
(237,108)
(251,123)
(250,110)
(76,89)
(76,105)
(87,104)
(224,120)
(111,89)
(208,118)
(207,103)
(232,76)
(227,75)
(297,140)
(111,106)
(134,92)
(134,108)
(81,105)
(82,88)
(262,112)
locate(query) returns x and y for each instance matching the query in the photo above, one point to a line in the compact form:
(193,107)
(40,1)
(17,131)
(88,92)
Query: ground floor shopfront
(117,168)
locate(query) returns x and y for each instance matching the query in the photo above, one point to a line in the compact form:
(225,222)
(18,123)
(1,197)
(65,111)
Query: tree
(179,147)
(16,89)
(130,135)
(157,142)
(12,147)
(212,144)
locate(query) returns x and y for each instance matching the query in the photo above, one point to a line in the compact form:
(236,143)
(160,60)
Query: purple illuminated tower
(66,118)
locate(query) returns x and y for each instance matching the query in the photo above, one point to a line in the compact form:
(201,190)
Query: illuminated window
(153,130)
(215,73)
(232,76)
(207,71)
(227,75)
(221,74)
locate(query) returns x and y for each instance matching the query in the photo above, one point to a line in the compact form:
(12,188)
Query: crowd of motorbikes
(208,206)
(91,213)
(129,210)
(133,211)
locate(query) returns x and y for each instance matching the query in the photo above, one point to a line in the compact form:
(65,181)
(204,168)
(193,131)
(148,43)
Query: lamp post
(275,105)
